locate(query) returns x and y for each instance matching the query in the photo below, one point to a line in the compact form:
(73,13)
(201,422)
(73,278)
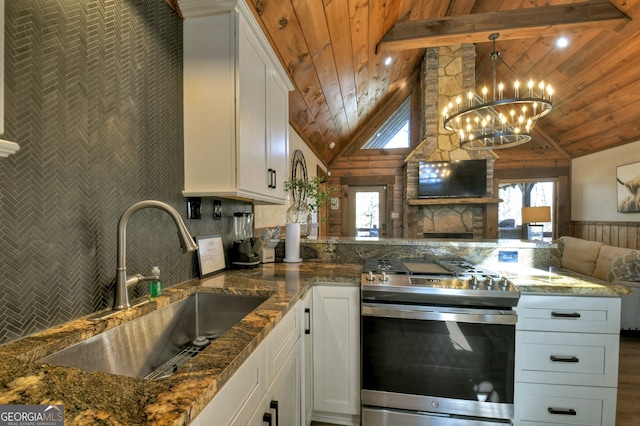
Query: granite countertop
(537,281)
(91,398)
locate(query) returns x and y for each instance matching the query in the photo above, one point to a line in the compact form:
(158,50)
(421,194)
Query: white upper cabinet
(236,105)
(6,147)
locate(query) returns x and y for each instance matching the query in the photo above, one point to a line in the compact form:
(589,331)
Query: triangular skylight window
(394,132)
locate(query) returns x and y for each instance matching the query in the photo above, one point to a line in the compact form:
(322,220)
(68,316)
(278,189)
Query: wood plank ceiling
(329,48)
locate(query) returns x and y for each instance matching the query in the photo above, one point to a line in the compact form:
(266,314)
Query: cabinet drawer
(569,313)
(567,358)
(242,392)
(280,341)
(564,405)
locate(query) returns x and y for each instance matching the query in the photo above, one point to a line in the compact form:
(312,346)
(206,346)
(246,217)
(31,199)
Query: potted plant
(308,197)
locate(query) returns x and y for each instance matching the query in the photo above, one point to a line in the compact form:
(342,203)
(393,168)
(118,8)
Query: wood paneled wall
(619,234)
(379,169)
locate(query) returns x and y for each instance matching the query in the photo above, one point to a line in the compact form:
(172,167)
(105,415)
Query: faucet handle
(137,279)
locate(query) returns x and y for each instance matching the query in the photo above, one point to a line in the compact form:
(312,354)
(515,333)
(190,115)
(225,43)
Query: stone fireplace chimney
(446,72)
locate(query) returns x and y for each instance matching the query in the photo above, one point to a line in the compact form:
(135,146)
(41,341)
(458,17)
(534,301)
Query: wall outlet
(193,208)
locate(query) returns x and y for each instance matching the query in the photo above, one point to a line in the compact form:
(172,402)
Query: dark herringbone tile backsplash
(93,95)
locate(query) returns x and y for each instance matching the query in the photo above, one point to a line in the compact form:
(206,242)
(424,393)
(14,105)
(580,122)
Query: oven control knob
(384,276)
(435,404)
(473,282)
(504,283)
(488,282)
(370,276)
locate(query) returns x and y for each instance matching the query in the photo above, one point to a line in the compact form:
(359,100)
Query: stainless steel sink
(155,345)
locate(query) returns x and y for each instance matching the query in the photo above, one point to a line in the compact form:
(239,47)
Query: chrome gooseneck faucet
(122,281)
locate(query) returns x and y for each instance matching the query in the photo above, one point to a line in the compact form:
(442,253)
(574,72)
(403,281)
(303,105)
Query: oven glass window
(438,358)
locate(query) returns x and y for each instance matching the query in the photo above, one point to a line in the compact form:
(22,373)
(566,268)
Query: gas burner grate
(377,265)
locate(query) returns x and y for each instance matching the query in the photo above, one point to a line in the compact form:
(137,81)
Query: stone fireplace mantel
(446,201)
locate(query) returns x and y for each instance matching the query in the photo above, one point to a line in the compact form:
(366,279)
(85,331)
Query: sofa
(598,261)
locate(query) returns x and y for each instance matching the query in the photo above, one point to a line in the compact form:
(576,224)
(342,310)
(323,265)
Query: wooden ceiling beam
(511,24)
(550,141)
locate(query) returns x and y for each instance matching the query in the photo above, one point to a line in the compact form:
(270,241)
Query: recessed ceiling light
(388,60)
(562,42)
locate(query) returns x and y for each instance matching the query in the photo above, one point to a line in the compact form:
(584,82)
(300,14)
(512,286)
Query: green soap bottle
(155,286)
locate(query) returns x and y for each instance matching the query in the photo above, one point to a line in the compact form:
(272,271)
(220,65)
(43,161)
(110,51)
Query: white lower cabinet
(271,372)
(336,354)
(240,394)
(566,363)
(565,405)
(281,405)
(306,359)
(307,368)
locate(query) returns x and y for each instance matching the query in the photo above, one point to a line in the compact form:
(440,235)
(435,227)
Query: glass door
(367,211)
(518,194)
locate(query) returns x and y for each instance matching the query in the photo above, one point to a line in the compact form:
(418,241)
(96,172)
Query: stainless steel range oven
(437,345)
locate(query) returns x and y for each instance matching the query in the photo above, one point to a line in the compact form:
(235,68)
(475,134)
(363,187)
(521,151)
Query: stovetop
(424,267)
(451,282)
(390,266)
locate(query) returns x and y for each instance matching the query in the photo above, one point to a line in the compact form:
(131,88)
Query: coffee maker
(245,246)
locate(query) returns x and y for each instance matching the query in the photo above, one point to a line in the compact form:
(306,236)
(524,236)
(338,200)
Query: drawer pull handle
(560,358)
(563,411)
(565,314)
(266,418)
(274,406)
(307,316)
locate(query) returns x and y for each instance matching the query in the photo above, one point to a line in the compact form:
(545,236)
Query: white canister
(292,243)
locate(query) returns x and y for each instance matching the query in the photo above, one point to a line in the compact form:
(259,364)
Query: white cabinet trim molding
(197,8)
(6,147)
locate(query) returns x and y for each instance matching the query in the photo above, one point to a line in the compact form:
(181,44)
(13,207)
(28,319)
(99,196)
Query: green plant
(310,192)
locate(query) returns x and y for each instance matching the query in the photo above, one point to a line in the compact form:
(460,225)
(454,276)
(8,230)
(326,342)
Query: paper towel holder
(292,243)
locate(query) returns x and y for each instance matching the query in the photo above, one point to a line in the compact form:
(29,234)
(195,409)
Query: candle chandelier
(483,124)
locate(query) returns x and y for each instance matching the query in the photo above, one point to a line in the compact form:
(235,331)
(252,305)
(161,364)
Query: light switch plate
(217,210)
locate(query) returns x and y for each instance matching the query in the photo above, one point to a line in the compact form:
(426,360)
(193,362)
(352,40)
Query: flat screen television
(461,179)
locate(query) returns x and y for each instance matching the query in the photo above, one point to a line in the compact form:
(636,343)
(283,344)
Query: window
(394,132)
(518,194)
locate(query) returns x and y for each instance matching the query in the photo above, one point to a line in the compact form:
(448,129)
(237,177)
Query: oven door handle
(424,313)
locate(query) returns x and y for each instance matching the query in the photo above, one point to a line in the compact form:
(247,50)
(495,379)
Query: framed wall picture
(210,254)
(628,188)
